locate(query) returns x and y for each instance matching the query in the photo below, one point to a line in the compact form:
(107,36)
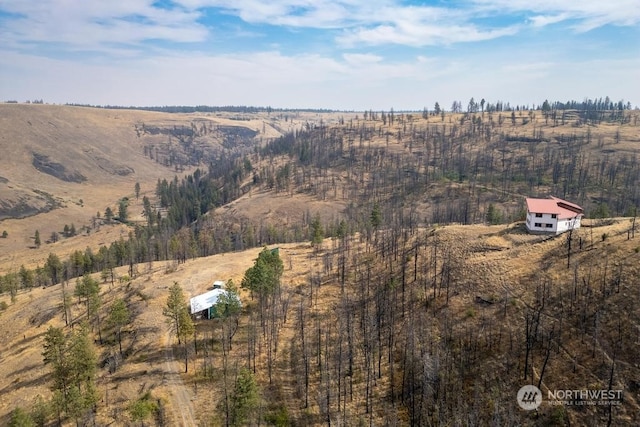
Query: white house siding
(563,225)
(568,224)
(543,224)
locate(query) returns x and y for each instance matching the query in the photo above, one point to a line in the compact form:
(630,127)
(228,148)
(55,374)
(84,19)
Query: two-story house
(552,216)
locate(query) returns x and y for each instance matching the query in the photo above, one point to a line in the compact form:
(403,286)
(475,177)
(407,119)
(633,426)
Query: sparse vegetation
(143,408)
(388,319)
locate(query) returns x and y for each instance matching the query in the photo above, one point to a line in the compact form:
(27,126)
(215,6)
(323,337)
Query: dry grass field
(148,367)
(497,261)
(498,270)
(102,146)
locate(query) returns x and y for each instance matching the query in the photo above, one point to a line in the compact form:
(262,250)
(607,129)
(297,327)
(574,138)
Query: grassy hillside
(411,311)
(429,327)
(64,165)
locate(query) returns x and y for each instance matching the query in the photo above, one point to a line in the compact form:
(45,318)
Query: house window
(554,216)
(548,225)
(537,224)
(538,215)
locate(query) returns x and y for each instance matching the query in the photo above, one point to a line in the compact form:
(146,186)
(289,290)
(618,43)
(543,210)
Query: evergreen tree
(175,310)
(122,210)
(148,211)
(244,399)
(228,303)
(40,411)
(73,365)
(186,329)
(228,308)
(54,268)
(317,234)
(376,216)
(20,418)
(494,216)
(88,289)
(26,277)
(108,215)
(264,277)
(141,409)
(118,318)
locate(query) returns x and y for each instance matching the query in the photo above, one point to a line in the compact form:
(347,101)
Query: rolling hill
(412,310)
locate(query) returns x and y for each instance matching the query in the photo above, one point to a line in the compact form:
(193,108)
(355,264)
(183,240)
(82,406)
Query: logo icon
(529,397)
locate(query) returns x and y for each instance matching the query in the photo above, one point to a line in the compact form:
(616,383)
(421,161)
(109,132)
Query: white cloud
(98,25)
(357,81)
(363,70)
(94,24)
(544,20)
(294,13)
(588,14)
(361,59)
(416,35)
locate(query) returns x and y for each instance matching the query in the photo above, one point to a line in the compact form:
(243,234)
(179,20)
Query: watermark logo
(529,397)
(584,397)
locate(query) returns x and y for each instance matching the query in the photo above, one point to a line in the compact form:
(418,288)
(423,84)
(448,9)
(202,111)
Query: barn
(204,305)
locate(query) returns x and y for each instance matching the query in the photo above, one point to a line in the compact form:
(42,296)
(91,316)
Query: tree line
(480,164)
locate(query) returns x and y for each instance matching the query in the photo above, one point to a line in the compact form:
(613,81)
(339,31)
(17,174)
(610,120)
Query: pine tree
(122,210)
(118,318)
(228,309)
(108,214)
(494,216)
(20,418)
(264,277)
(175,308)
(88,290)
(54,267)
(73,364)
(376,216)
(317,234)
(186,329)
(244,399)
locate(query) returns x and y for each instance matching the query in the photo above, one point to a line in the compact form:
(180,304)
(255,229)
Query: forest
(381,331)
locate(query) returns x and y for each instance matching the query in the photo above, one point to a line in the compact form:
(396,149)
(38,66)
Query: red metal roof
(554,205)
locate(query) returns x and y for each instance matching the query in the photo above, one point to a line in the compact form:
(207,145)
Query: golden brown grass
(495,260)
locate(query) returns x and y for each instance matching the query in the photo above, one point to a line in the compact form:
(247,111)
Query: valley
(410,292)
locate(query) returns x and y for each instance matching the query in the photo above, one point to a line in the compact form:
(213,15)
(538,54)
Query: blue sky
(337,54)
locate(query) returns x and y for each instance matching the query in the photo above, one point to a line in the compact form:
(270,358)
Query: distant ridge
(208,108)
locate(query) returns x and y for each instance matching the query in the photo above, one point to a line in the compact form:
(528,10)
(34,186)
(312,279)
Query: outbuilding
(204,305)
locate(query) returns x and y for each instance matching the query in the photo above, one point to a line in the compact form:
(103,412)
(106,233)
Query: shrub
(143,408)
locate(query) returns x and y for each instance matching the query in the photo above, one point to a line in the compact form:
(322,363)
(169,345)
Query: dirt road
(181,398)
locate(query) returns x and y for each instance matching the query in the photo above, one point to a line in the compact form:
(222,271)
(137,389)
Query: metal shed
(204,304)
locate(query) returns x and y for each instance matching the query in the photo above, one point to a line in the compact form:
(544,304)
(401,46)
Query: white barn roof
(206,300)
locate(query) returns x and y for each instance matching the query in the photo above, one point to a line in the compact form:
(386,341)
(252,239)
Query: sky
(330,54)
